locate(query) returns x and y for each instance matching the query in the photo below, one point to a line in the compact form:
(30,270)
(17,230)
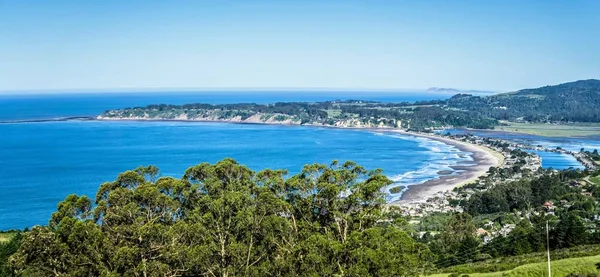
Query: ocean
(41,163)
(43,106)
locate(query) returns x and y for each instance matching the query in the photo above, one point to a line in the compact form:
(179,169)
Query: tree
(519,195)
(569,231)
(457,242)
(224,219)
(8,248)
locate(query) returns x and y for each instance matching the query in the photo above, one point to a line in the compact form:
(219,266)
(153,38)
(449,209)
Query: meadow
(552,130)
(560,268)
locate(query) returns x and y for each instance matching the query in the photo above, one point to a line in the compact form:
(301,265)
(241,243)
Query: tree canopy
(224,219)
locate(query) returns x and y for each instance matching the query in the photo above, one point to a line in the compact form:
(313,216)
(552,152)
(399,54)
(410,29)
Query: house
(481,232)
(549,206)
(487,239)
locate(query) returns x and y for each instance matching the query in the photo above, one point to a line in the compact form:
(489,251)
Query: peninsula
(347,113)
(569,107)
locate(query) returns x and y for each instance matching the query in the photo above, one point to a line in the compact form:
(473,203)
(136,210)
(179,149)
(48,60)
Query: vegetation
(351,113)
(569,102)
(564,104)
(569,205)
(551,130)
(510,262)
(6,236)
(519,195)
(9,243)
(593,154)
(226,220)
(397,189)
(573,267)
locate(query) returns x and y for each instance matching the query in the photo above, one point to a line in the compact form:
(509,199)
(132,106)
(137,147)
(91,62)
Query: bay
(43,162)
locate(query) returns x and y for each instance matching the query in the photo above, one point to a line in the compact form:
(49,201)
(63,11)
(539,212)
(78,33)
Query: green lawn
(560,268)
(595,180)
(552,130)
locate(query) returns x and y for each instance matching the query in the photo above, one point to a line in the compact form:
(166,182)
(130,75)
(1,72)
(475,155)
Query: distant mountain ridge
(454,90)
(581,86)
(577,101)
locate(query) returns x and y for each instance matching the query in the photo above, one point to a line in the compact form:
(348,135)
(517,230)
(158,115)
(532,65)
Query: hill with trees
(569,102)
(347,113)
(575,102)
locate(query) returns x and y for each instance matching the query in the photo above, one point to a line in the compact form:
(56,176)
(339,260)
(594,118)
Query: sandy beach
(483,158)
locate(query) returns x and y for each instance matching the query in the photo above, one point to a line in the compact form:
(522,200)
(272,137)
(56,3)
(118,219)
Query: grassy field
(560,268)
(595,180)
(552,130)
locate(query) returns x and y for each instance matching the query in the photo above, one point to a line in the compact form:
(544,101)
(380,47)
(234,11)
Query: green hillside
(569,102)
(560,268)
(564,103)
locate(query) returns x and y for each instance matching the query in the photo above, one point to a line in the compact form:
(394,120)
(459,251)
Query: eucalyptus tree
(224,220)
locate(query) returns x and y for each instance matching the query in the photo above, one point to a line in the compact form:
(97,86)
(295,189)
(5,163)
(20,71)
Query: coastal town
(516,164)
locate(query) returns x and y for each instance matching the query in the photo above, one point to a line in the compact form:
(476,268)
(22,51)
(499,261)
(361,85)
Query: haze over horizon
(115,45)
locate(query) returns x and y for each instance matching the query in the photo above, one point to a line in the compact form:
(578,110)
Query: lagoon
(549,159)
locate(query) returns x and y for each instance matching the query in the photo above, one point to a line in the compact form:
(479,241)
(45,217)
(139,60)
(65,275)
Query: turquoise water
(558,160)
(41,163)
(549,159)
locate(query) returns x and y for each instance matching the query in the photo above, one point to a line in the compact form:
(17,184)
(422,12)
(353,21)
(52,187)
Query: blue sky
(493,45)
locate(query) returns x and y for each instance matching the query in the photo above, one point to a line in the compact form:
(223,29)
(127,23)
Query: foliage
(582,274)
(522,195)
(351,113)
(455,244)
(7,248)
(564,103)
(569,102)
(433,222)
(226,220)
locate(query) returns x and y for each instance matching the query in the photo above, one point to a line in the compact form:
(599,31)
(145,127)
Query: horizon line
(234,89)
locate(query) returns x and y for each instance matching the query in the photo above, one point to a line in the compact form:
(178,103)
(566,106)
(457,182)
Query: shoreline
(483,158)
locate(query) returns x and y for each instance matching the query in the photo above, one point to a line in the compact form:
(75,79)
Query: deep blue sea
(42,106)
(41,163)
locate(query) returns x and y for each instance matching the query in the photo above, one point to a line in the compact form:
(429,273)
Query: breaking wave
(437,157)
